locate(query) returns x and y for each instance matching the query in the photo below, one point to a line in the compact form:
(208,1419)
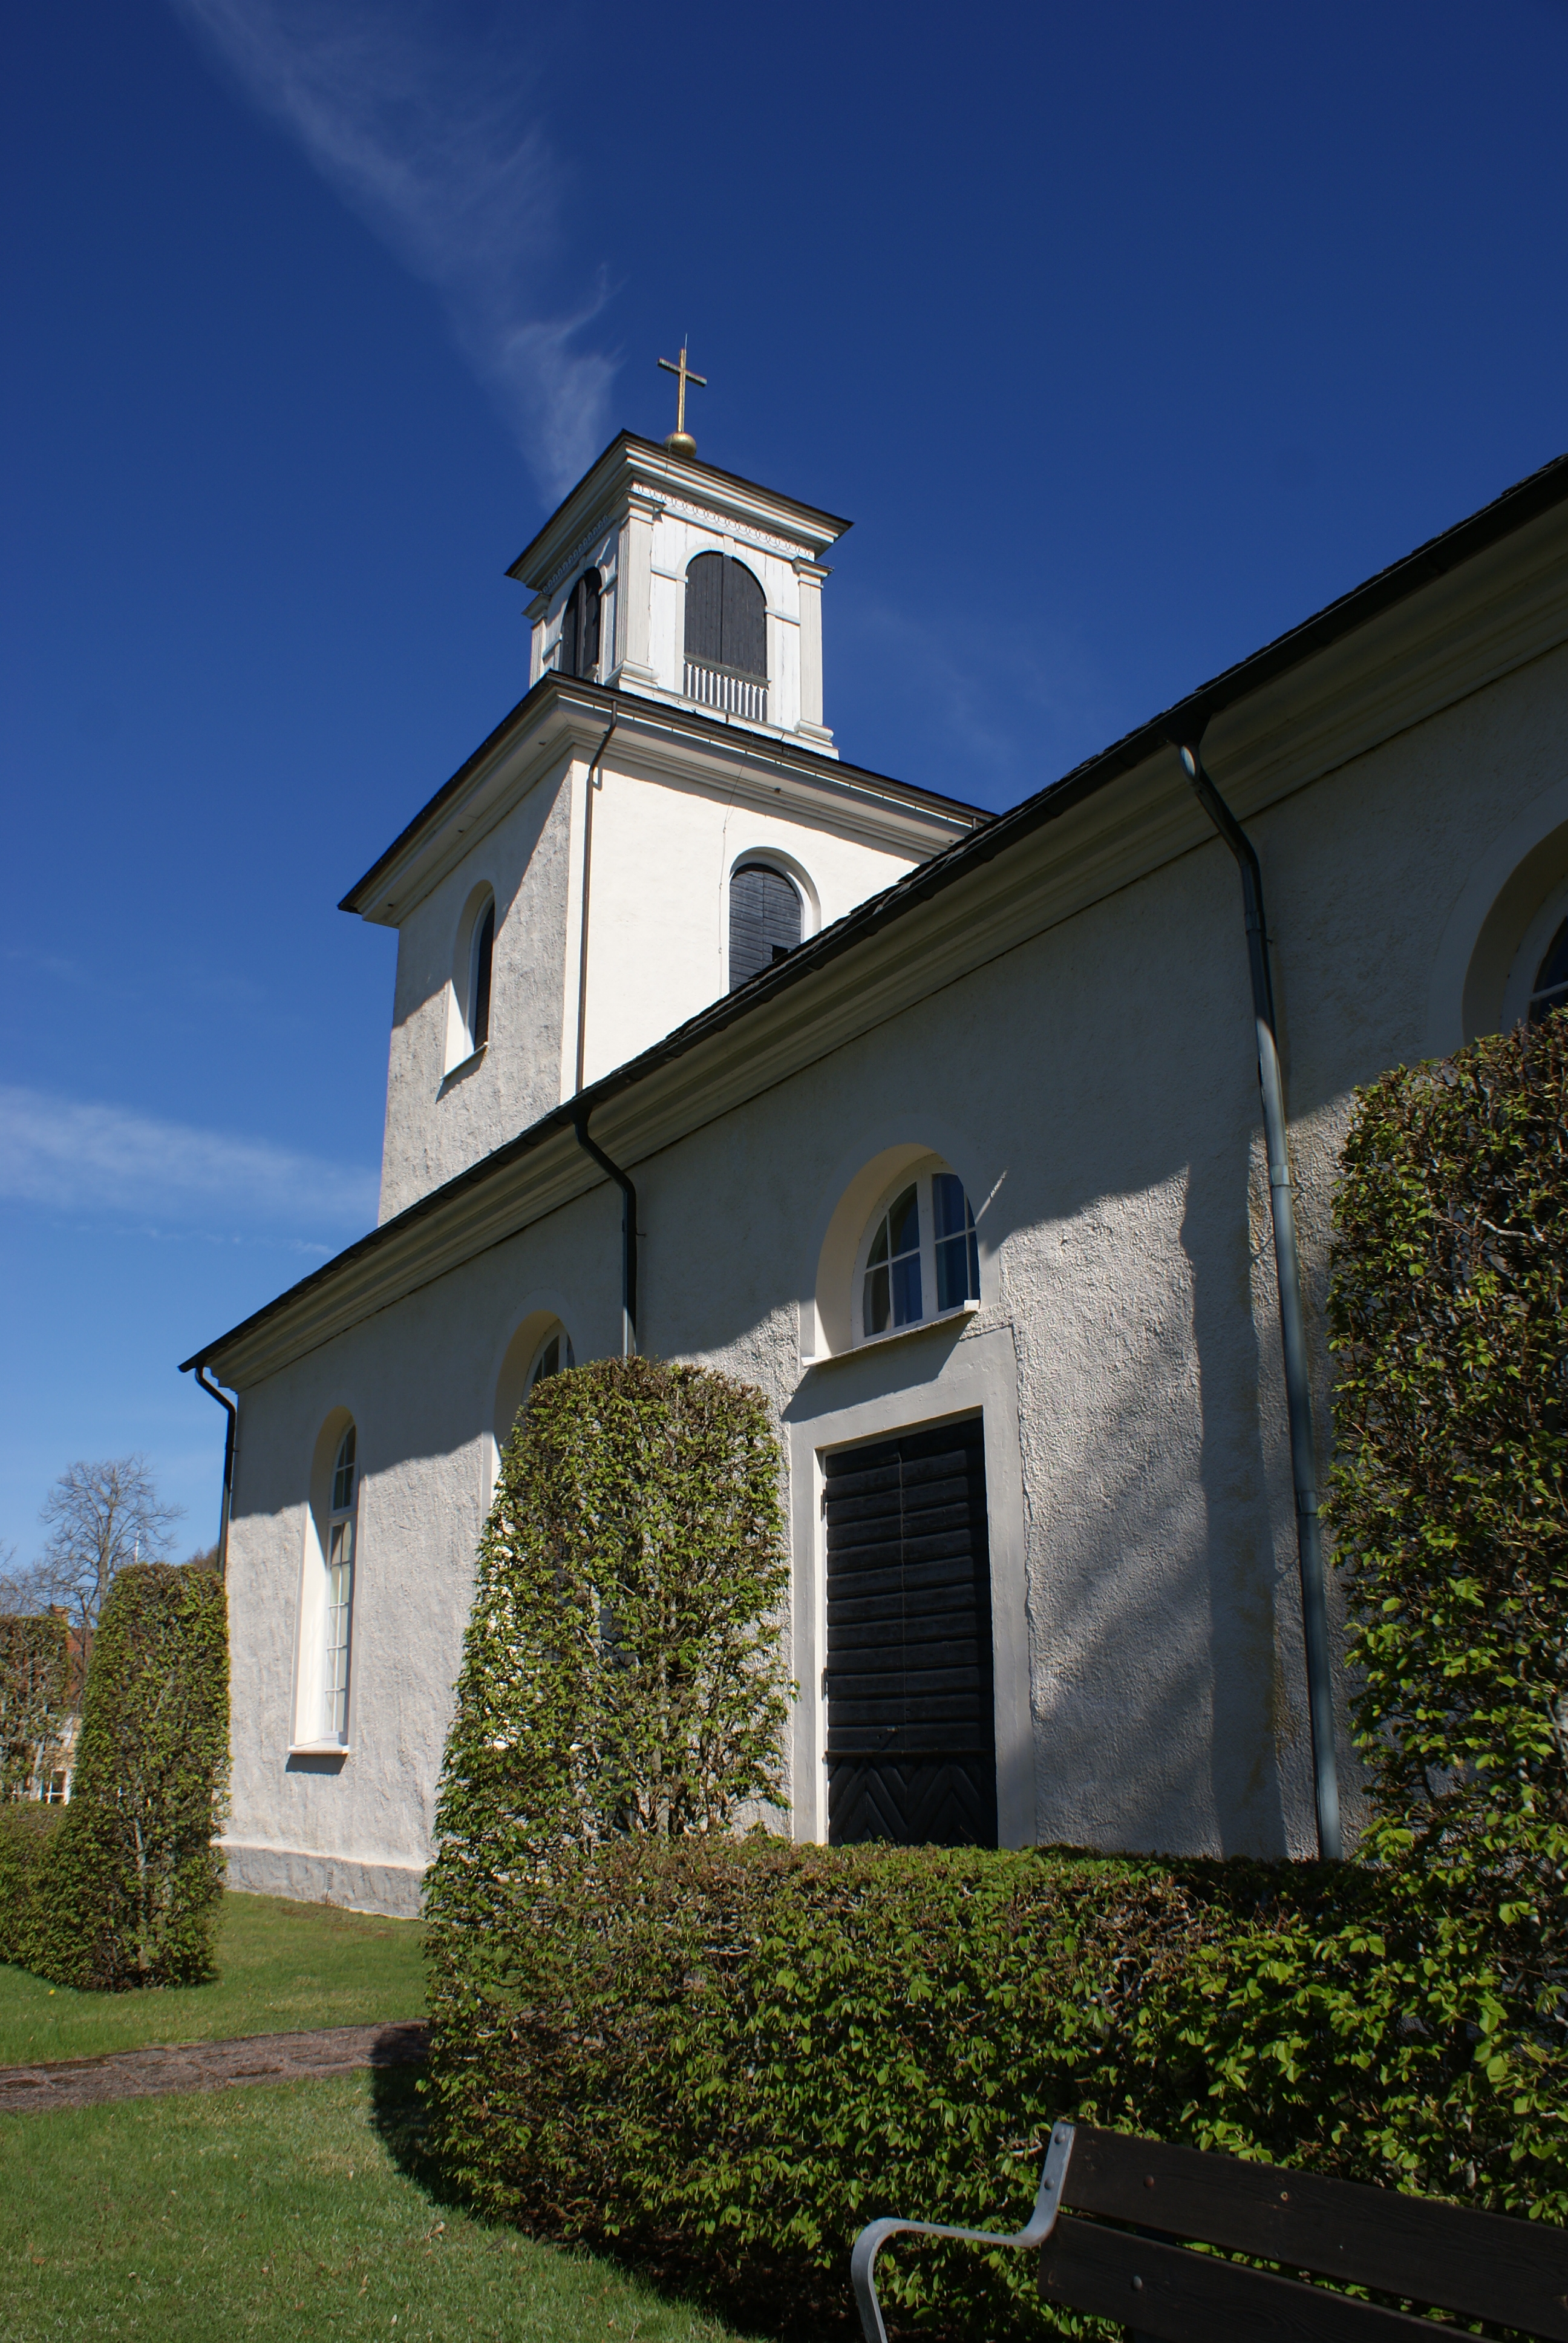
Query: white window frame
(918,1176)
(1533,946)
(331,1527)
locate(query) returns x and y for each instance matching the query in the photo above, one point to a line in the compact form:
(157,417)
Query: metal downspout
(627,1234)
(1292,1318)
(223,1401)
(583,922)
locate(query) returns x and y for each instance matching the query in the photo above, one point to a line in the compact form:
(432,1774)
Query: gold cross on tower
(680,441)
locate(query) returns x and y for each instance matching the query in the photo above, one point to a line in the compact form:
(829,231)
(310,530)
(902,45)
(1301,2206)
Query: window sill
(464,1066)
(965,1310)
(321,1748)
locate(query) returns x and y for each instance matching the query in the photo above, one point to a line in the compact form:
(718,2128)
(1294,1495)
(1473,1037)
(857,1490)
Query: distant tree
(99,1518)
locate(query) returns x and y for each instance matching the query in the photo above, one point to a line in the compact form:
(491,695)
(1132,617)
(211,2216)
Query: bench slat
(1187,2297)
(1484,2265)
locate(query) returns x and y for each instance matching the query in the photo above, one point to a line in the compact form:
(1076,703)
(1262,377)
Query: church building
(944,1129)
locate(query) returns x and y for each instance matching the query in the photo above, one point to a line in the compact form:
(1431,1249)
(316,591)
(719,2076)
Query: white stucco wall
(442,1116)
(663,849)
(1095,1087)
(659,912)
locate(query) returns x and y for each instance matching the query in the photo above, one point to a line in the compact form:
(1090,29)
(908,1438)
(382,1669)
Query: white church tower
(661,819)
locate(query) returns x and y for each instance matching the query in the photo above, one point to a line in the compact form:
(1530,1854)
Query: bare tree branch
(99,1518)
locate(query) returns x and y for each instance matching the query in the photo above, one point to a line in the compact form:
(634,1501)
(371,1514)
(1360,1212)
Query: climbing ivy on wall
(623,1670)
(1449,1320)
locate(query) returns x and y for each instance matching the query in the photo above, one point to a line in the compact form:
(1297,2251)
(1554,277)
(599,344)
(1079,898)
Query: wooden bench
(1441,2257)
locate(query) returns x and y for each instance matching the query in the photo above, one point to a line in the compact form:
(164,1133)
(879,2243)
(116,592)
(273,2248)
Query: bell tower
(665,576)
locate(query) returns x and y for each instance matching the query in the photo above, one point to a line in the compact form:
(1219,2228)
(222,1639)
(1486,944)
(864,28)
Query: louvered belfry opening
(579,652)
(726,637)
(764,920)
(911,1734)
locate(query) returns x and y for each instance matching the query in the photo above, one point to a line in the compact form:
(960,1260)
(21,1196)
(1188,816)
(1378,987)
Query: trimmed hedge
(621,1668)
(27,1835)
(727,2058)
(128,1894)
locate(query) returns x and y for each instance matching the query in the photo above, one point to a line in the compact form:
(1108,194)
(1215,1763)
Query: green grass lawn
(289,2210)
(281,1967)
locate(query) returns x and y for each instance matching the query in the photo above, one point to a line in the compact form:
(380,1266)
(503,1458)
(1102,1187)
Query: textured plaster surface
(1095,1087)
(439,1121)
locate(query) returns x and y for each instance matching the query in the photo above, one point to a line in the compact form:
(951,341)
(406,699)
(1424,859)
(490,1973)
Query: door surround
(874,1393)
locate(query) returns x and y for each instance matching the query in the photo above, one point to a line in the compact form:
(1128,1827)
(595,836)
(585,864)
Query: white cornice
(630,467)
(740,761)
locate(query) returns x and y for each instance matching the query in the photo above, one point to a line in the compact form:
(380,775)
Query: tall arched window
(1550,989)
(764,920)
(481,961)
(579,652)
(923,1256)
(339,1593)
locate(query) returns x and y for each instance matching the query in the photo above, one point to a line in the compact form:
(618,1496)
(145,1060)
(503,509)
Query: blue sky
(1126,336)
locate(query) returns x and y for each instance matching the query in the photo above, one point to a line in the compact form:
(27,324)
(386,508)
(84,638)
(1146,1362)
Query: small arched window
(578,653)
(554,1353)
(339,1593)
(764,920)
(1550,989)
(923,1260)
(481,962)
(726,617)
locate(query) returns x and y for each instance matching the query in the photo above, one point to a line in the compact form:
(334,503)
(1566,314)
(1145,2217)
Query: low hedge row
(729,2056)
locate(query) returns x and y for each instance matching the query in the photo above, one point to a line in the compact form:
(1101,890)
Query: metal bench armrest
(1039,2227)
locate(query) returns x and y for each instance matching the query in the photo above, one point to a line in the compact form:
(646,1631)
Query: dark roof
(780,751)
(1184,721)
(520,567)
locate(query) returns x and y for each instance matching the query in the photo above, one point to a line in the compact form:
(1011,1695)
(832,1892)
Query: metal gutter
(1514,510)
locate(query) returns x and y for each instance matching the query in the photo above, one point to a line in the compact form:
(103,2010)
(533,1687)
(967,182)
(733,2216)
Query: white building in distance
(941,1128)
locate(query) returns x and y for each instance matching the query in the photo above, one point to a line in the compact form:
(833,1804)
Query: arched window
(726,636)
(481,959)
(553,1353)
(1550,989)
(764,920)
(339,1593)
(579,652)
(922,1257)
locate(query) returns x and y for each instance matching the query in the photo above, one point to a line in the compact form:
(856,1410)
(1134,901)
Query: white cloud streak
(81,1157)
(425,136)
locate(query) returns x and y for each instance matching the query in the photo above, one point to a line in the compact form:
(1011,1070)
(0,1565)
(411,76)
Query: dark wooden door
(912,1737)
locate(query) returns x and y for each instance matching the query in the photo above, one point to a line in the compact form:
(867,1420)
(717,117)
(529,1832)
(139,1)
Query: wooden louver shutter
(745,628)
(764,920)
(705,608)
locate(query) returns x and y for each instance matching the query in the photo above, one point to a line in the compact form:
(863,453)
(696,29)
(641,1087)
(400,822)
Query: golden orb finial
(681,443)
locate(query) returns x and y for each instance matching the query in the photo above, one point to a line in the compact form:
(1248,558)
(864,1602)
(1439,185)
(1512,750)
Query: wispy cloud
(82,1157)
(424,133)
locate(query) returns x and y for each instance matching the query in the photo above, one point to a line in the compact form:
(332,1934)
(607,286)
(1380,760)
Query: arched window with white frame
(919,1258)
(481,966)
(337,1643)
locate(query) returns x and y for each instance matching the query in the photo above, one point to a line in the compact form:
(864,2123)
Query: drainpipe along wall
(227,1507)
(1292,1316)
(591,1146)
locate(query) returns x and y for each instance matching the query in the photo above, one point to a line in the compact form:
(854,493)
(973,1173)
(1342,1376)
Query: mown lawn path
(209,2065)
